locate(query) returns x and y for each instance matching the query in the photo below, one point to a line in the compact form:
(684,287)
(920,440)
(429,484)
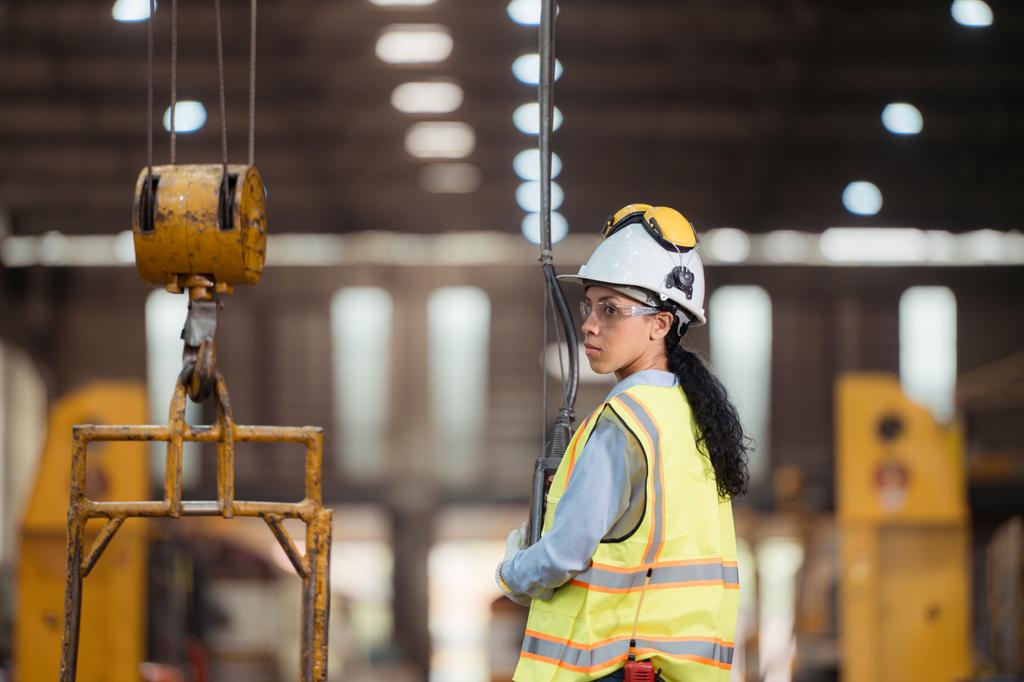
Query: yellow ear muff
(627,215)
(666,226)
(670,226)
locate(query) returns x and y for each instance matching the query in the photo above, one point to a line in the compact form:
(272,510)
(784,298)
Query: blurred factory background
(854,170)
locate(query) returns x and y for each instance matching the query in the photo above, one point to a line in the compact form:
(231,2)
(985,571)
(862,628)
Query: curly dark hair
(720,433)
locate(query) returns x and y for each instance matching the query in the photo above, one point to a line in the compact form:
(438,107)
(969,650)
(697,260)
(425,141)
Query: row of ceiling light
(902,118)
(189,115)
(445,141)
(836,246)
(401,44)
(443,144)
(526,119)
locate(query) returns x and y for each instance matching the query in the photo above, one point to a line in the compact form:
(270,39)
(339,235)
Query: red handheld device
(639,671)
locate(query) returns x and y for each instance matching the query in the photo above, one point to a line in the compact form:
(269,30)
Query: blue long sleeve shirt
(603,500)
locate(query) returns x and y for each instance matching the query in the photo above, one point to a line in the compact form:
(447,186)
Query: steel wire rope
(544,372)
(220,89)
(174,79)
(252,81)
(546,107)
(149,100)
(224,209)
(253,13)
(558,342)
(555,444)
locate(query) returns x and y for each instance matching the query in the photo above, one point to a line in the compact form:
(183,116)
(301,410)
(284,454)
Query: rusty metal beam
(275,521)
(312,567)
(100,544)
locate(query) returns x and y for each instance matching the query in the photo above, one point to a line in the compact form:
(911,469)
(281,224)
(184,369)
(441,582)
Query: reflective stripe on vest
(574,450)
(671,574)
(608,652)
(583,631)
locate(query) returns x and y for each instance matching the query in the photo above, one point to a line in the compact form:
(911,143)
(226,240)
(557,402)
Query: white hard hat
(630,256)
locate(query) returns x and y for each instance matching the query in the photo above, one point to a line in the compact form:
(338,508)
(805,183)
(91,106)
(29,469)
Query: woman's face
(627,344)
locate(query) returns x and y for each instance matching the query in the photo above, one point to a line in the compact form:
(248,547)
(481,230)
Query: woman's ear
(661,325)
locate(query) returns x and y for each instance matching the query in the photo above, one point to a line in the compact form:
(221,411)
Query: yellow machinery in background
(903,519)
(114,612)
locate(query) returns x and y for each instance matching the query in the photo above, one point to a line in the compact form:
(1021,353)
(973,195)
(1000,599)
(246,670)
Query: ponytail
(719,431)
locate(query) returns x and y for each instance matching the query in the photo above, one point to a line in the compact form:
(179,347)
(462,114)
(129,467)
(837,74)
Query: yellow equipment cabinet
(904,604)
(114,644)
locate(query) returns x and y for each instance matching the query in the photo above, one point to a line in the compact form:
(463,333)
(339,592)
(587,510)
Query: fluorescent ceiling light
(901,118)
(526,12)
(53,248)
(19,252)
(971,13)
(862,198)
(727,244)
(131,10)
(740,336)
(362,332)
(527,68)
(943,247)
(402,3)
(441,140)
(531,227)
(527,164)
(458,355)
(427,97)
(789,246)
(124,247)
(527,118)
(927,333)
(528,196)
(987,246)
(450,178)
(414,44)
(877,247)
(873,245)
(189,116)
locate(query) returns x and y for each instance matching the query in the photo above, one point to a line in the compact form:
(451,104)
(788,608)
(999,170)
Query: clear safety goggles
(609,314)
(666,225)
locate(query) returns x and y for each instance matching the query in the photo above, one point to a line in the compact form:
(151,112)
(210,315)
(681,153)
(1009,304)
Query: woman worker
(635,573)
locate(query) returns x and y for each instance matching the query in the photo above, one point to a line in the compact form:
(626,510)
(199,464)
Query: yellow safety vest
(684,550)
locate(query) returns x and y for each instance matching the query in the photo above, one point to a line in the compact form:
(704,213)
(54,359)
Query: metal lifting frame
(313,566)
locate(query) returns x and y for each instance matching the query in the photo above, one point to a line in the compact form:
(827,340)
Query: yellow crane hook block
(188,223)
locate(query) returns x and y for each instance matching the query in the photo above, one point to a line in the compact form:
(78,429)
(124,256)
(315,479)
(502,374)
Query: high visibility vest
(684,550)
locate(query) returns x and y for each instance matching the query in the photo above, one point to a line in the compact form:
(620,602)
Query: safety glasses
(610,314)
(666,225)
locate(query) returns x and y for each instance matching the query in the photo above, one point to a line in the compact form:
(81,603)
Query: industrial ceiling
(746,114)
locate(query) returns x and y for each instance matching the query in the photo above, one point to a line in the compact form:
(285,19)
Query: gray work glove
(513,545)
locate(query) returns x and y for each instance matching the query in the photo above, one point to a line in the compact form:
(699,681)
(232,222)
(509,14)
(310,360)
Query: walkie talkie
(639,671)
